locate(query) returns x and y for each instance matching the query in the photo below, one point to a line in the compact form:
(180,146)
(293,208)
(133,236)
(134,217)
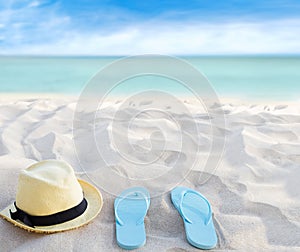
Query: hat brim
(95,203)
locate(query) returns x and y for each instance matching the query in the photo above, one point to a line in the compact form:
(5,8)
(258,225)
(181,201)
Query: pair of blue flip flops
(131,207)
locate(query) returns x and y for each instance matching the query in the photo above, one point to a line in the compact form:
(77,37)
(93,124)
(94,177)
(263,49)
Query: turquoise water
(263,77)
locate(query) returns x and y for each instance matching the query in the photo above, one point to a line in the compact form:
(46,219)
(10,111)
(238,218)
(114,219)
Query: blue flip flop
(131,207)
(196,213)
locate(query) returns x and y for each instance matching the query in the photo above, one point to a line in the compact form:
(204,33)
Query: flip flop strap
(139,221)
(183,194)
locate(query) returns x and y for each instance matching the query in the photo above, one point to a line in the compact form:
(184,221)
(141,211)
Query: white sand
(254,193)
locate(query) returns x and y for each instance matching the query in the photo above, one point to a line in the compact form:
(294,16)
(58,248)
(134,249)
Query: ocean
(254,77)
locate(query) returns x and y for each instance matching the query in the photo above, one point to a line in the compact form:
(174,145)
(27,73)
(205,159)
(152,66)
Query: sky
(194,27)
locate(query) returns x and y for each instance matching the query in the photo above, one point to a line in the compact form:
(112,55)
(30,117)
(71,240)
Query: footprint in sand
(144,103)
(132,104)
(279,107)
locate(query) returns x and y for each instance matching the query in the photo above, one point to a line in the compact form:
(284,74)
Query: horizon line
(158,54)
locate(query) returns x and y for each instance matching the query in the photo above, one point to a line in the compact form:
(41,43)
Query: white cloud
(25,26)
(42,30)
(171,38)
(34,4)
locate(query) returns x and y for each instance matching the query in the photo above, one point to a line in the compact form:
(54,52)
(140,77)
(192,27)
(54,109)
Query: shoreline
(224,99)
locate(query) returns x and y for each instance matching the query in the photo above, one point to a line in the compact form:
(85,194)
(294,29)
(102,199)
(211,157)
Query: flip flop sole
(131,206)
(194,212)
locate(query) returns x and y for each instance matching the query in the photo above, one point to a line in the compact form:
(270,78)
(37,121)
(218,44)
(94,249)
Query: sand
(254,192)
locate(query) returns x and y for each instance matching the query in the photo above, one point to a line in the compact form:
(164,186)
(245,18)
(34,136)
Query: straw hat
(50,199)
